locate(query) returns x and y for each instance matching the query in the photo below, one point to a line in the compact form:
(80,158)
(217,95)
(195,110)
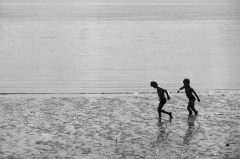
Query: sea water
(103,46)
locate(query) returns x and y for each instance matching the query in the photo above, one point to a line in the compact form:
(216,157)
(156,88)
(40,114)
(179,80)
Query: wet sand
(118,126)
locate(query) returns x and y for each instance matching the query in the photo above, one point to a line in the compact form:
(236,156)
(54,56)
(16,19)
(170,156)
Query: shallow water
(118,126)
(104,46)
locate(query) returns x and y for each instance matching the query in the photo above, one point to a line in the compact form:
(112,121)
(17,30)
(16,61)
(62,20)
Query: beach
(118,126)
(75,75)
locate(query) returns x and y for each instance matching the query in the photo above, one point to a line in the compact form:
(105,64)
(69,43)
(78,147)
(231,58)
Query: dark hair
(154,84)
(186,81)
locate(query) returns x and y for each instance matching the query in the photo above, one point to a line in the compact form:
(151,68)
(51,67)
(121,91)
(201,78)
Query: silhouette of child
(161,94)
(189,93)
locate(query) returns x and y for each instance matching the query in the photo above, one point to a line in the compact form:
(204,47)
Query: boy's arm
(180,89)
(196,95)
(168,97)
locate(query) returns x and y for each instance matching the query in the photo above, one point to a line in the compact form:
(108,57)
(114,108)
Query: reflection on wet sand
(117,126)
(163,133)
(190,131)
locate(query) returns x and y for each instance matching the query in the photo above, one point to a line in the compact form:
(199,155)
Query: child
(189,92)
(162,99)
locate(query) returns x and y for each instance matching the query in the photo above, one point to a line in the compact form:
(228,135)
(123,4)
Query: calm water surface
(104,46)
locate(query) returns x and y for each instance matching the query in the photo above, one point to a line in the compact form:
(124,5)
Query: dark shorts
(162,101)
(191,102)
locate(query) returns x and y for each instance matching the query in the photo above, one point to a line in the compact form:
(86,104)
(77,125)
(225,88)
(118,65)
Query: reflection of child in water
(190,131)
(161,94)
(163,134)
(189,92)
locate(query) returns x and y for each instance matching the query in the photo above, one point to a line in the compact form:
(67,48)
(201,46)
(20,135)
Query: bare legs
(161,104)
(191,107)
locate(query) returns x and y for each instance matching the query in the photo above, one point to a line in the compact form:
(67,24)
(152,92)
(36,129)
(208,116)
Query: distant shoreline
(110,93)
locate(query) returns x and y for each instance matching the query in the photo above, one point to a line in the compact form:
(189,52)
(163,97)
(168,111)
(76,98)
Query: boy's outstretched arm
(196,95)
(180,89)
(168,97)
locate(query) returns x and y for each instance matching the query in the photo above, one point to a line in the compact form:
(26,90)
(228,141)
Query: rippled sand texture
(118,126)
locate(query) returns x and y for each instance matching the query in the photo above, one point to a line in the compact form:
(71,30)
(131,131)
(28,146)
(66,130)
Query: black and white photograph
(119,79)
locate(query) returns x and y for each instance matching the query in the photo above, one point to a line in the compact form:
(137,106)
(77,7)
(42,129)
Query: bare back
(161,92)
(189,93)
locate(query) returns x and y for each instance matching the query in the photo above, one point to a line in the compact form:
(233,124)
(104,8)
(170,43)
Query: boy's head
(186,82)
(154,84)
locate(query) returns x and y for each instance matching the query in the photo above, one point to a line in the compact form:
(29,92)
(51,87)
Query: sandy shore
(118,126)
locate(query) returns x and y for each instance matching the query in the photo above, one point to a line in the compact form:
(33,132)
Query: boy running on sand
(162,99)
(189,92)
